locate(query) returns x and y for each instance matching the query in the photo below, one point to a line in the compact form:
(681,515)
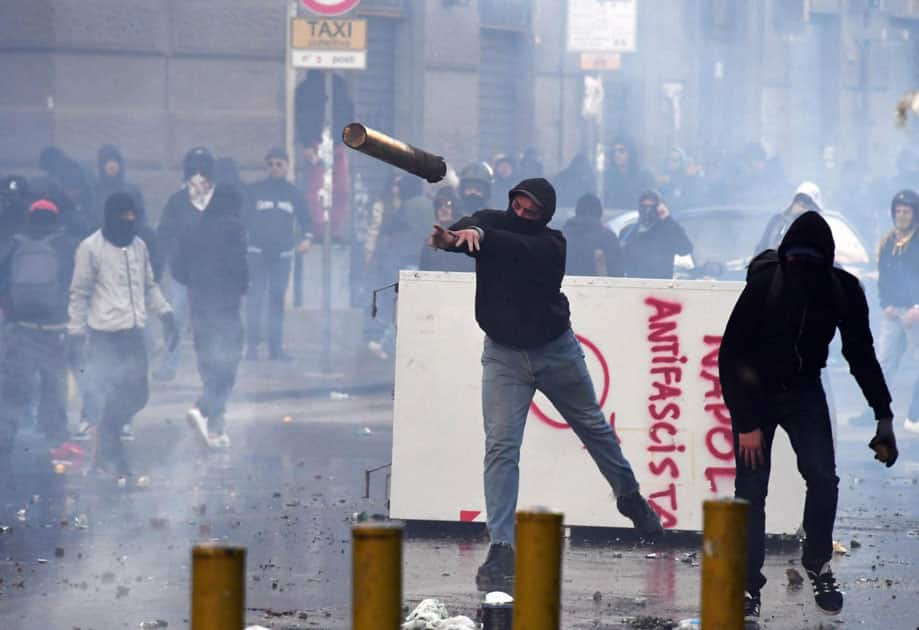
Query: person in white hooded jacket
(110,295)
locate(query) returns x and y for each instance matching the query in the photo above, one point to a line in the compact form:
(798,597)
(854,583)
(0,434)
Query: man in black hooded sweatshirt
(211,263)
(774,347)
(529,346)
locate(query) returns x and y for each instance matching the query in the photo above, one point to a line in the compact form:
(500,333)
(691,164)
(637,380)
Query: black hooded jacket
(778,335)
(587,235)
(106,186)
(211,258)
(519,271)
(648,252)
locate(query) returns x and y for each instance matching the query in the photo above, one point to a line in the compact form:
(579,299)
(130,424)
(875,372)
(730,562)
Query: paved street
(86,554)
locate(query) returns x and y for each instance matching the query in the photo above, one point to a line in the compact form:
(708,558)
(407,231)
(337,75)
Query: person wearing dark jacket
(898,290)
(594,248)
(648,249)
(433,259)
(181,216)
(36,267)
(624,178)
(111,178)
(274,205)
(772,352)
(529,346)
(67,186)
(211,263)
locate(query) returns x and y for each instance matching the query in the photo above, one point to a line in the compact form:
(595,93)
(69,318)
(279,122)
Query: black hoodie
(107,186)
(778,335)
(519,271)
(211,258)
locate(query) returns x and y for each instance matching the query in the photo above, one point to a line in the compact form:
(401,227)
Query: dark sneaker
(826,593)
(646,521)
(751,605)
(497,572)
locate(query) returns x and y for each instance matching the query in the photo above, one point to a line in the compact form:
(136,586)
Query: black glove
(884,444)
(76,351)
(170,331)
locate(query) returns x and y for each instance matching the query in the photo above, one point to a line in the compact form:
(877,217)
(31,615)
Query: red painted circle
(543,417)
(330,8)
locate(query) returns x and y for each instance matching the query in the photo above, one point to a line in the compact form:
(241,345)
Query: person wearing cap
(278,223)
(773,350)
(36,267)
(898,290)
(180,216)
(433,259)
(649,247)
(594,248)
(530,346)
(807,198)
(111,295)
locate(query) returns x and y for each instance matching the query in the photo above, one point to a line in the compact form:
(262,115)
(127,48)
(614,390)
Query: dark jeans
(804,416)
(269,277)
(118,364)
(28,353)
(218,346)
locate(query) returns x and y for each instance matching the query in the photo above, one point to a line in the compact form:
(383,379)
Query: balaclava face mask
(117,229)
(200,191)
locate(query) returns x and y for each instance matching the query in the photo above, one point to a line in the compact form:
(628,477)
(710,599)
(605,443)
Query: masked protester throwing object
(110,295)
(529,346)
(774,347)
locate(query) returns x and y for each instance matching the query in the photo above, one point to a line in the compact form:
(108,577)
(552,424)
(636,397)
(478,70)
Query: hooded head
(43,216)
(540,193)
(589,206)
(622,154)
(110,153)
(807,252)
(120,219)
(807,198)
(648,204)
(198,161)
(904,199)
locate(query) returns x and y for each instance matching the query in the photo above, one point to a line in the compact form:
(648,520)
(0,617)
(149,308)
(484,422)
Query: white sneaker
(911,425)
(221,441)
(198,423)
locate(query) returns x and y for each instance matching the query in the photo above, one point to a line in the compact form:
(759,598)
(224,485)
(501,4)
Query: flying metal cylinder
(724,560)
(218,587)
(401,155)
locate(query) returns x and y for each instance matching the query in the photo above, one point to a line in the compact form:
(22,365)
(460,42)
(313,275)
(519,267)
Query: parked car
(724,238)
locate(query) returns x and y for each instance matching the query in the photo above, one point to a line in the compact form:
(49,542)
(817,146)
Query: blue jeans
(510,378)
(804,415)
(269,277)
(895,340)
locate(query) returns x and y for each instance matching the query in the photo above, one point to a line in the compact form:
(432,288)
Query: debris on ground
(691,558)
(153,625)
(651,623)
(431,614)
(339,396)
(159,522)
(795,579)
(854,544)
(21,514)
(690,624)
(651,556)
(839,548)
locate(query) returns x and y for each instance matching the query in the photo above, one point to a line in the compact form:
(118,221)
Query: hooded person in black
(773,350)
(35,271)
(111,179)
(595,249)
(529,346)
(211,263)
(648,249)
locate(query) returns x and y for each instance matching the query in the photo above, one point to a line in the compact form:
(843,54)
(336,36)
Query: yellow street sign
(328,34)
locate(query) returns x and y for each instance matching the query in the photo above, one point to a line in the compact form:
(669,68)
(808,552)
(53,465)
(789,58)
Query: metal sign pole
(327,235)
(290,83)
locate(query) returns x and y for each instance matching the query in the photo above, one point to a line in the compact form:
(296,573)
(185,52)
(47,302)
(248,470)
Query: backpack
(35,282)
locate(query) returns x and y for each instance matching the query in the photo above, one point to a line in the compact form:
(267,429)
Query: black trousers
(218,341)
(804,416)
(31,356)
(118,367)
(268,280)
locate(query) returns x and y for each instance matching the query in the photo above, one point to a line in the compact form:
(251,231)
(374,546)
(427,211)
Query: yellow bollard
(376,581)
(724,563)
(218,588)
(538,572)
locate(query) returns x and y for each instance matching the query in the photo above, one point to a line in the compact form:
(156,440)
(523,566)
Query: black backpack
(35,279)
